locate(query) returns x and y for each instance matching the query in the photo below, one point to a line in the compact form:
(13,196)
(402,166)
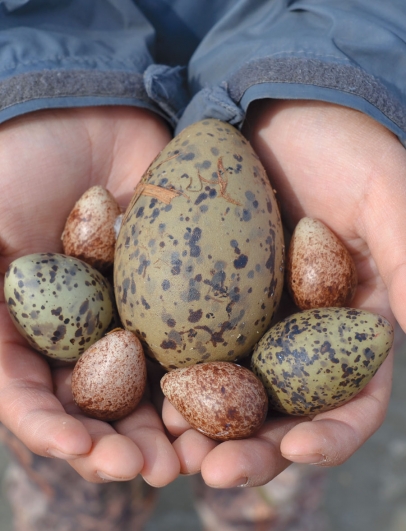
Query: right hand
(339,166)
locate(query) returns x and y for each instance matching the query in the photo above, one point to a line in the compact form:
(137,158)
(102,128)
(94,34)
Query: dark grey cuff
(296,78)
(160,89)
(70,88)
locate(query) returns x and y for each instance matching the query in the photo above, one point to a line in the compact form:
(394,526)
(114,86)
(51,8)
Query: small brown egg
(108,381)
(220,399)
(89,232)
(320,271)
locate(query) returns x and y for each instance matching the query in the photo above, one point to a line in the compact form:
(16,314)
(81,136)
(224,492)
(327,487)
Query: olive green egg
(58,303)
(318,359)
(199,260)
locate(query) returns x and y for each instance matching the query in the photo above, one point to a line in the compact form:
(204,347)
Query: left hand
(343,168)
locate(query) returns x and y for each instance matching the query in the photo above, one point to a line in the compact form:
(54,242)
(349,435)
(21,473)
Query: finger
(30,410)
(173,420)
(192,448)
(332,437)
(42,426)
(145,429)
(136,444)
(248,462)
(383,220)
(113,457)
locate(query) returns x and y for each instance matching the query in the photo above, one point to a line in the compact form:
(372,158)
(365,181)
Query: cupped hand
(343,168)
(48,159)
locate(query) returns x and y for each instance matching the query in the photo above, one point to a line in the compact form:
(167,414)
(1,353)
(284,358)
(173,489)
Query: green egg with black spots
(318,359)
(58,303)
(199,258)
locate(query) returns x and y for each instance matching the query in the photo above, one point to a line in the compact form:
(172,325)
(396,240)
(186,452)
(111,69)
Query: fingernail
(242,482)
(238,483)
(106,477)
(151,484)
(308,459)
(53,452)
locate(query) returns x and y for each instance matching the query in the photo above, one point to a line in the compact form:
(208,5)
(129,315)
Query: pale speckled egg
(320,272)
(220,399)
(109,379)
(318,359)
(60,304)
(89,232)
(199,261)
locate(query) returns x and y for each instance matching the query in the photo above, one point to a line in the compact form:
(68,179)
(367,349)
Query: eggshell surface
(222,400)
(61,305)
(318,359)
(89,230)
(199,261)
(108,381)
(320,271)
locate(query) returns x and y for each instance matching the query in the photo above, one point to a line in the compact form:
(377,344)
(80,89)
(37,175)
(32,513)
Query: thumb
(383,225)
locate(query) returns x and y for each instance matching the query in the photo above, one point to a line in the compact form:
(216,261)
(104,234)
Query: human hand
(343,168)
(49,159)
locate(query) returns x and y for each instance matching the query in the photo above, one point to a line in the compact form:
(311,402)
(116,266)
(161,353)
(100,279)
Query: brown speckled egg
(222,400)
(199,262)
(320,271)
(108,381)
(318,359)
(89,230)
(60,304)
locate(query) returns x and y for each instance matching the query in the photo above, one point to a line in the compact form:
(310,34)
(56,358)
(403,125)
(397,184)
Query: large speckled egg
(318,359)
(221,400)
(58,303)
(199,258)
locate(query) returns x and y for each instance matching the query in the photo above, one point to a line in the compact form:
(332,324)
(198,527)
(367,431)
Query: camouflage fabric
(291,502)
(48,495)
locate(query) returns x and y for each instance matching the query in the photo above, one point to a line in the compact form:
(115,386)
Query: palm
(324,162)
(48,160)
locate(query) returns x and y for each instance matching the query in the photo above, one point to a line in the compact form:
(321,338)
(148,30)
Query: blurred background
(367,493)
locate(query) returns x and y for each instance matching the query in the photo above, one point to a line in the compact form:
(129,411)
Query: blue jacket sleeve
(190,60)
(348,52)
(71,53)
